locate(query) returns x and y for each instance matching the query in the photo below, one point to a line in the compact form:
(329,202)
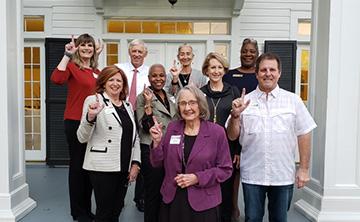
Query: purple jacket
(209,160)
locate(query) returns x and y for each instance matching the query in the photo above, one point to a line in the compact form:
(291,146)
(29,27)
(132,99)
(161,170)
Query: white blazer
(103,137)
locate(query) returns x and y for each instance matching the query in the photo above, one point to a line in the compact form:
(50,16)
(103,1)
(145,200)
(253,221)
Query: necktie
(132,95)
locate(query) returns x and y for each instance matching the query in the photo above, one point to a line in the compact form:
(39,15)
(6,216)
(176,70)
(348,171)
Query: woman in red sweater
(78,69)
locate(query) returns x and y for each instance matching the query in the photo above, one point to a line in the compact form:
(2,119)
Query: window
(223,49)
(112,50)
(33,23)
(219,28)
(304,84)
(168,27)
(32,98)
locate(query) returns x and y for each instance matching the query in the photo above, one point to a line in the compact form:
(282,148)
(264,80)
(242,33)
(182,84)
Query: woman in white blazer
(112,156)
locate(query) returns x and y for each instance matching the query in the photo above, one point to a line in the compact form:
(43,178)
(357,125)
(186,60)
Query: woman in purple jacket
(195,156)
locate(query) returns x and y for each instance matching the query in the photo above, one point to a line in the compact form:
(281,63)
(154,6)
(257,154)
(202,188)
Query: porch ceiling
(162,8)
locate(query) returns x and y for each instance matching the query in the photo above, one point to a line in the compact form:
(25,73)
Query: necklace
(215,107)
(186,77)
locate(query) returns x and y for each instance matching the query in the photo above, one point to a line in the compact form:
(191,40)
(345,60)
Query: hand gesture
(70,47)
(148,94)
(99,46)
(94,109)
(175,71)
(156,132)
(239,105)
(186,180)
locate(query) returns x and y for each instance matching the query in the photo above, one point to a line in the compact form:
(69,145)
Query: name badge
(175,139)
(95,75)
(109,110)
(238,75)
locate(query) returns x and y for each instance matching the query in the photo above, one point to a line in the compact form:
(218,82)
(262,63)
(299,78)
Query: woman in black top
(112,156)
(219,96)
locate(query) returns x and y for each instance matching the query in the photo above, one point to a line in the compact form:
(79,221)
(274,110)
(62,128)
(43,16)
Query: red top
(81,83)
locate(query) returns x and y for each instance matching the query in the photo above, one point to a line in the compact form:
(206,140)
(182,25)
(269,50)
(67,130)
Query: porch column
(14,192)
(334,191)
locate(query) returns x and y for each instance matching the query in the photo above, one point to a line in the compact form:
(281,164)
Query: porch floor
(49,188)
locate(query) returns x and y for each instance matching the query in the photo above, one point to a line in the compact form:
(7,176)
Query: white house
(33,32)
(206,25)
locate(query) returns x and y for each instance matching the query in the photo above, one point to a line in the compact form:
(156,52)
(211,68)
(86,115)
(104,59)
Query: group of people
(186,137)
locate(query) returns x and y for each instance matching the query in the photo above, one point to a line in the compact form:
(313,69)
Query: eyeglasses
(191,103)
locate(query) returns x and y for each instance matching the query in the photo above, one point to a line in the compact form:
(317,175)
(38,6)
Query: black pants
(139,185)
(227,188)
(153,178)
(110,190)
(226,205)
(80,188)
(139,188)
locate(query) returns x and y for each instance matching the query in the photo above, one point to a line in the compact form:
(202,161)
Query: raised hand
(239,105)
(148,95)
(99,46)
(156,132)
(94,109)
(70,48)
(186,180)
(175,71)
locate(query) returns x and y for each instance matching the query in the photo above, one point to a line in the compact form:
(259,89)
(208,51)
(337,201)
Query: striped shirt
(270,126)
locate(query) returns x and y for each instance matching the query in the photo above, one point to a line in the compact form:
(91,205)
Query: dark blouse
(188,145)
(184,79)
(126,137)
(241,80)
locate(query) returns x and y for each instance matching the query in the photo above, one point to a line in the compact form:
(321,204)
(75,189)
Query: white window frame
(38,155)
(46,12)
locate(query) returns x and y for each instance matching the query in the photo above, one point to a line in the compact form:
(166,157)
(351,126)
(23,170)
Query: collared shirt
(270,127)
(142,75)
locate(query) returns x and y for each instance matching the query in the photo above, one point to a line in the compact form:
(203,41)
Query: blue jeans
(279,200)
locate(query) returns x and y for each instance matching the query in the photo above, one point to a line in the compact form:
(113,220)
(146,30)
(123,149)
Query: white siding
(259,19)
(68,17)
(265,20)
(82,20)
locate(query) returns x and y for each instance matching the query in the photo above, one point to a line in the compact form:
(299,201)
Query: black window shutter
(56,145)
(286,50)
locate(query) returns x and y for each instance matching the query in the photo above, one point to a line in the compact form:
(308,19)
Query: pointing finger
(97,97)
(72,39)
(155,121)
(243,93)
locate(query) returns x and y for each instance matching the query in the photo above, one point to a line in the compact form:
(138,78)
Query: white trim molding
(333,194)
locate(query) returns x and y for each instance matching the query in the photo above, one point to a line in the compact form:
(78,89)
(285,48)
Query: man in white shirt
(271,123)
(137,75)
(137,53)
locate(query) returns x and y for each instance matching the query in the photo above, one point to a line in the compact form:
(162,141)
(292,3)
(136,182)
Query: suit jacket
(209,160)
(104,137)
(159,111)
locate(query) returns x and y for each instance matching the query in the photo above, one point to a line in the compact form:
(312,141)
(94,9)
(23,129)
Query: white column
(333,193)
(14,192)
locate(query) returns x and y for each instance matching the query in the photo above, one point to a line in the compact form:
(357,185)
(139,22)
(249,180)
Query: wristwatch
(68,54)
